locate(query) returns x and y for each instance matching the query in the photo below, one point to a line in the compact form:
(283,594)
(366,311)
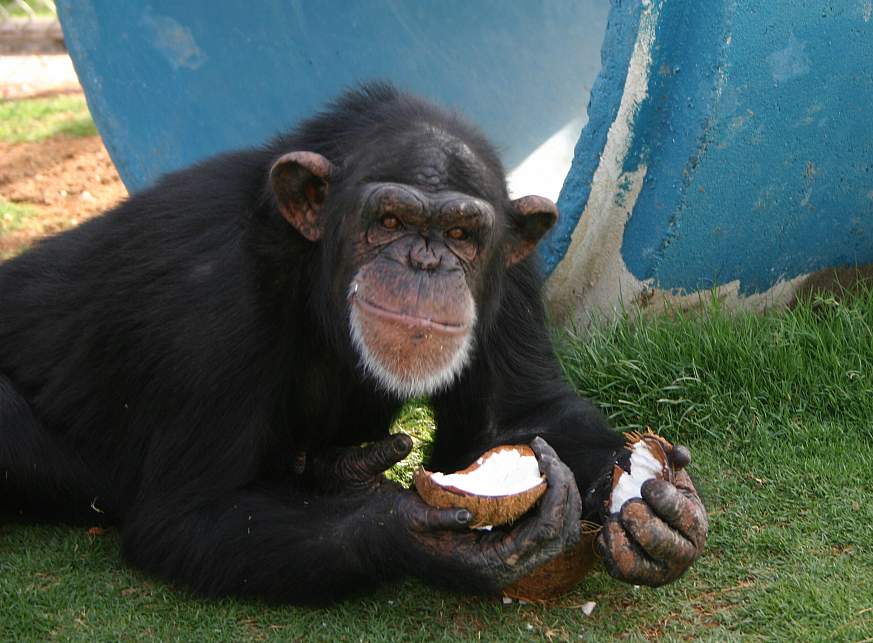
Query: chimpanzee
(214,366)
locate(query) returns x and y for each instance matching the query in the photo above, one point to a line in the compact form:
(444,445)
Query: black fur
(163,362)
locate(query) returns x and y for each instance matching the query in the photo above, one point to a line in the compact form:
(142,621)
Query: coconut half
(559,575)
(500,486)
(649,460)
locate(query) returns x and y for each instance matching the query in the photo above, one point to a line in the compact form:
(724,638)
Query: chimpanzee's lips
(445,328)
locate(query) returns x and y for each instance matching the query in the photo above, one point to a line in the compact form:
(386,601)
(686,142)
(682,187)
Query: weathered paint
(172,82)
(606,97)
(592,275)
(744,160)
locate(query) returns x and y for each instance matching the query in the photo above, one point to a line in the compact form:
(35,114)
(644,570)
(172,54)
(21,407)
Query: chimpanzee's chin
(408,359)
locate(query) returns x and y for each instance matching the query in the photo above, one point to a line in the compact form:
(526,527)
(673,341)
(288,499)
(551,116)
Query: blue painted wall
(606,95)
(171,82)
(756,136)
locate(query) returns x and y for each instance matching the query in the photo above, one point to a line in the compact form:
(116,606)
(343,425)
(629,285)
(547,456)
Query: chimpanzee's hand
(654,540)
(444,548)
(356,470)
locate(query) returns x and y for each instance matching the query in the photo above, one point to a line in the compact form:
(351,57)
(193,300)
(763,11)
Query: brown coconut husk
(486,510)
(559,575)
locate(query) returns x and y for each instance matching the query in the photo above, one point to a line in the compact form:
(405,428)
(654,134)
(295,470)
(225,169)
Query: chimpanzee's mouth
(408,354)
(414,321)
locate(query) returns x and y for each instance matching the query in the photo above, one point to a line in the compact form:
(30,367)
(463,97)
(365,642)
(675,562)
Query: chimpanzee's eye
(390,222)
(458,234)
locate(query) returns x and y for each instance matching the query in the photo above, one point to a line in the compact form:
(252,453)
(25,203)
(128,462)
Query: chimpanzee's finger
(573,513)
(364,463)
(548,523)
(424,518)
(542,536)
(683,481)
(559,475)
(625,560)
(383,455)
(681,510)
(680,457)
(542,448)
(555,525)
(659,540)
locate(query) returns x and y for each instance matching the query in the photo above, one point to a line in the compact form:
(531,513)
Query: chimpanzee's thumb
(382,455)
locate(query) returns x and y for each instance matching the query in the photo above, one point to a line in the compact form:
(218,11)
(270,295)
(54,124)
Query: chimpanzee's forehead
(434,159)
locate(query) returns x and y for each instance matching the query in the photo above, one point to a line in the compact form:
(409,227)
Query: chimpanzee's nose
(422,256)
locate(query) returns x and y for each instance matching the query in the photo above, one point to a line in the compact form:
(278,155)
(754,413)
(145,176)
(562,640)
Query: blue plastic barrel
(172,82)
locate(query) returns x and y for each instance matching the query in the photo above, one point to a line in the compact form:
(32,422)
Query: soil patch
(66,180)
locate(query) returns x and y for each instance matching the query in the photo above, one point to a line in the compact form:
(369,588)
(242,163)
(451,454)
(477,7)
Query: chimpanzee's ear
(532,217)
(300,181)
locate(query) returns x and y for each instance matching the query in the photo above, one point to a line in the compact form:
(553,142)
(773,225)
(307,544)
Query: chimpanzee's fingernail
(402,442)
(681,457)
(463,516)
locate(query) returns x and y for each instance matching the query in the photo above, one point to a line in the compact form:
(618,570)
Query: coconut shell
(486,510)
(559,575)
(659,447)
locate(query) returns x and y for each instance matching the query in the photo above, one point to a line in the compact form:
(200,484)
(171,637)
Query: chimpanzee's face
(426,229)
(412,308)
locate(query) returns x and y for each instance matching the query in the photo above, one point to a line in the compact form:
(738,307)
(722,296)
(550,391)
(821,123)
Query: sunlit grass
(14,216)
(36,119)
(416,420)
(14,9)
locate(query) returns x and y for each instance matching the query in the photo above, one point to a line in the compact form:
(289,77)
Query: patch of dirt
(67,180)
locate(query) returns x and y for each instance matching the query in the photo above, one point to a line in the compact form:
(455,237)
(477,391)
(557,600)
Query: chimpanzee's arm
(270,542)
(260,542)
(652,540)
(515,391)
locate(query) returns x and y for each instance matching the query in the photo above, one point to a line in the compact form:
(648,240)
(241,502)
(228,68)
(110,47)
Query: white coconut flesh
(643,466)
(502,473)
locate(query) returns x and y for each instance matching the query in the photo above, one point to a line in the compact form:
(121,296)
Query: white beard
(416,384)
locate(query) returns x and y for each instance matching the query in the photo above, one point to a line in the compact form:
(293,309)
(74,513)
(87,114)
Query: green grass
(37,119)
(13,216)
(777,410)
(15,10)
(416,420)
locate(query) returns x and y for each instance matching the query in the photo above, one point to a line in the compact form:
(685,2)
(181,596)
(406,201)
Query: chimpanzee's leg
(40,477)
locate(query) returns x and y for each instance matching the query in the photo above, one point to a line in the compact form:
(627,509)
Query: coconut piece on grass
(649,460)
(503,484)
